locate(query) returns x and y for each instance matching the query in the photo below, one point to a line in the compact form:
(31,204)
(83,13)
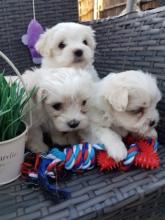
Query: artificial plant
(13,98)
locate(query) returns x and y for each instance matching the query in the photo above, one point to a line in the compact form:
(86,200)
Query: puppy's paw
(38,148)
(117,151)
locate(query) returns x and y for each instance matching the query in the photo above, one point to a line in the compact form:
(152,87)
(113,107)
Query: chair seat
(94,195)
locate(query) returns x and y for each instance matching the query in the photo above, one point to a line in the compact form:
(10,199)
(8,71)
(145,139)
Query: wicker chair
(135,41)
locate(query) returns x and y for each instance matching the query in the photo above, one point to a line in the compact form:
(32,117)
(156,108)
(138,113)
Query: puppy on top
(68,44)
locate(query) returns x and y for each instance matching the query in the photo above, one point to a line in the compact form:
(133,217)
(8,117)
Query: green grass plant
(13,98)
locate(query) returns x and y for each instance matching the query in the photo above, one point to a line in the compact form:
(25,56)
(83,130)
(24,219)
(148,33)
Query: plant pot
(11,157)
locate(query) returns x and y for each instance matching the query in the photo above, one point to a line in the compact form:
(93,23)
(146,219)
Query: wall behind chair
(15,16)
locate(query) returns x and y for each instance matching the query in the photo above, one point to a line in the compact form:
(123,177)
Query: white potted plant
(13,98)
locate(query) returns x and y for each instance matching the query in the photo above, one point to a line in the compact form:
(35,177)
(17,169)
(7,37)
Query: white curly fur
(73,37)
(64,87)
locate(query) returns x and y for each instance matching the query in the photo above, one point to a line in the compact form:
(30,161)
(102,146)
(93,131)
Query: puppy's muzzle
(73,123)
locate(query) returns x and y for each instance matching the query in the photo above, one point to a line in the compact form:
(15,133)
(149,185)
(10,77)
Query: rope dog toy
(35,171)
(77,157)
(46,171)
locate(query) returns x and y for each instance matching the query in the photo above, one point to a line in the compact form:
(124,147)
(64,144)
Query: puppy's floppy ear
(44,44)
(41,95)
(118,98)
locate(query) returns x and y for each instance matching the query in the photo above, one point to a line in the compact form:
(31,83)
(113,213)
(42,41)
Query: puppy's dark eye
(84,102)
(61,45)
(57,106)
(85,42)
(137,111)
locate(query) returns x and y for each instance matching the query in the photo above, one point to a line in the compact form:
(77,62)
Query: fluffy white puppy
(124,102)
(61,105)
(132,98)
(68,45)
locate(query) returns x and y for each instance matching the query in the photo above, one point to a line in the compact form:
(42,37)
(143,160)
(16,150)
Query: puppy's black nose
(73,123)
(152,123)
(78,53)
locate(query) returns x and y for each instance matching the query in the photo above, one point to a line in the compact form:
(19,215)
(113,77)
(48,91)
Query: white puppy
(132,98)
(68,45)
(61,102)
(124,102)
